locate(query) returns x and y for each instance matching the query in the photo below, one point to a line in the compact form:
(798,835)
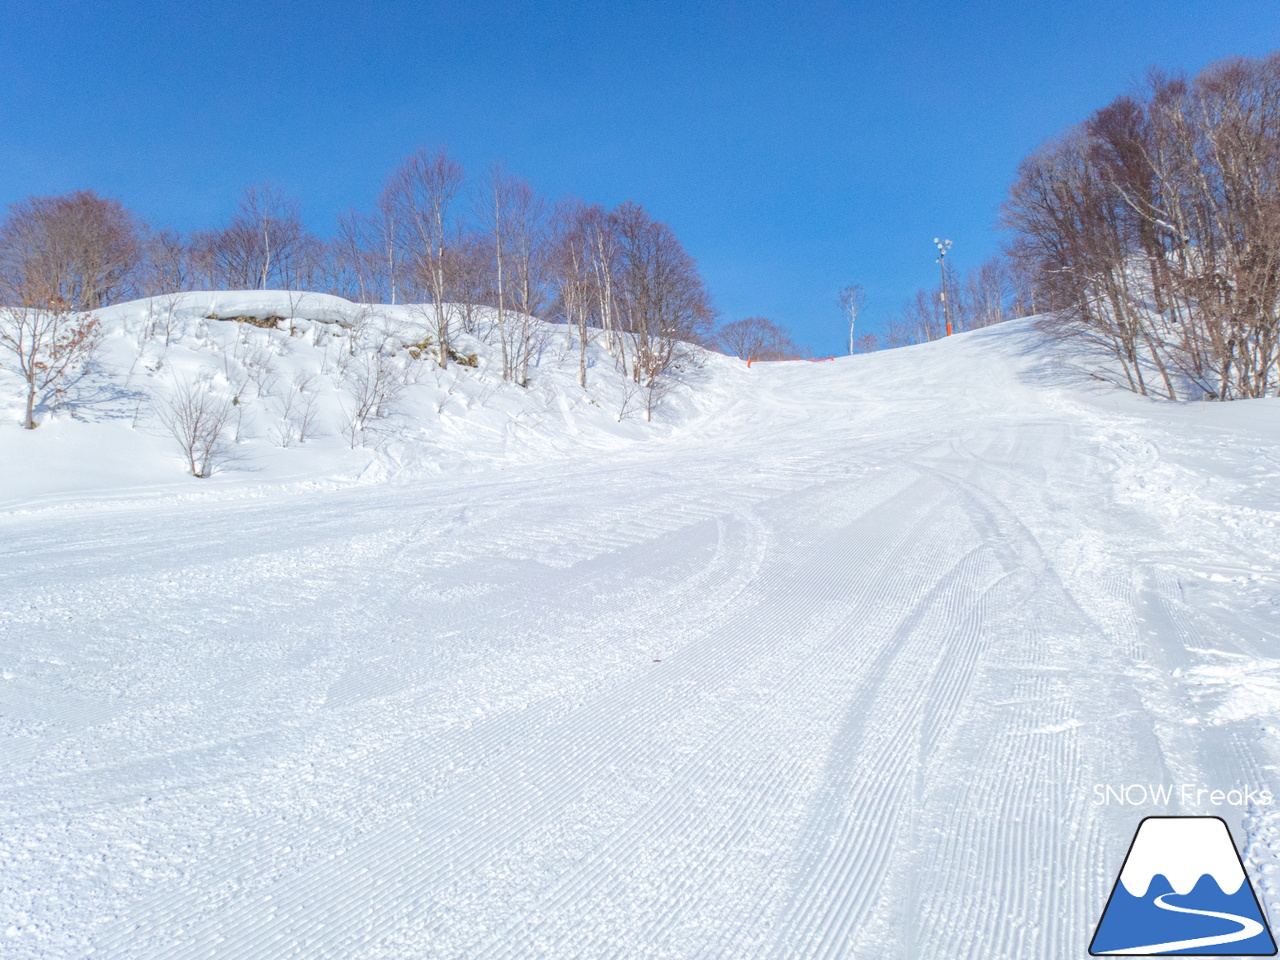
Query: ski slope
(830,668)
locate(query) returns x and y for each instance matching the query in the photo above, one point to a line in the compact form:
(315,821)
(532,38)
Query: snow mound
(297,370)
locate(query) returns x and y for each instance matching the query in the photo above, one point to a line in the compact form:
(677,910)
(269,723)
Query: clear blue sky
(793,147)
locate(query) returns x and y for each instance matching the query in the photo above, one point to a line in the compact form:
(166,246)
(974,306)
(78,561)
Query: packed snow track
(832,672)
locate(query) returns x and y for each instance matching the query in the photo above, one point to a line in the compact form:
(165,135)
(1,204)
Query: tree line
(1153,230)
(489,257)
(994,291)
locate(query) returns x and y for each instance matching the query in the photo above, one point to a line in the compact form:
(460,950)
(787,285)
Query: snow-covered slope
(107,437)
(830,663)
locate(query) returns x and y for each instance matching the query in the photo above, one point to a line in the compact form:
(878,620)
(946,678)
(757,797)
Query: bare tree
(984,296)
(899,333)
(205,261)
(273,222)
(386,233)
(606,254)
(756,338)
(663,303)
(306,268)
(575,276)
(374,385)
(264,245)
(498,209)
(418,196)
(80,250)
(168,272)
(471,259)
(297,411)
(198,420)
(920,320)
(988,294)
(491,209)
(58,253)
(529,254)
(47,345)
(852,299)
(170,266)
(1153,230)
(351,266)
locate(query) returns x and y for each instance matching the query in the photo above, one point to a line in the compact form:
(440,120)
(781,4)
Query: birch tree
(574,272)
(852,299)
(419,195)
(1153,230)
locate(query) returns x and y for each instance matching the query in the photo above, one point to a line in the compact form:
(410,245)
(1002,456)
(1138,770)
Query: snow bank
(301,356)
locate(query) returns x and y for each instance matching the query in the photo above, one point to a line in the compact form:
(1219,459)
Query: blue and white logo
(1183,892)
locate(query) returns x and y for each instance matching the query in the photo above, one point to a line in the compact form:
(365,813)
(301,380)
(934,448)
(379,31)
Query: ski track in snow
(909,609)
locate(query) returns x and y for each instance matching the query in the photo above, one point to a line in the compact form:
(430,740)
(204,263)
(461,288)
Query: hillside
(831,660)
(311,356)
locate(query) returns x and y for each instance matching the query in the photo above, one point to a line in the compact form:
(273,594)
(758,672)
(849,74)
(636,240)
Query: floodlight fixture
(943,246)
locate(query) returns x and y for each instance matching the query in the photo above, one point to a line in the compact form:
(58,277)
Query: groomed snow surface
(826,661)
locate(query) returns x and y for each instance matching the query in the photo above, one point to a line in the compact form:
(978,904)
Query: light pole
(943,246)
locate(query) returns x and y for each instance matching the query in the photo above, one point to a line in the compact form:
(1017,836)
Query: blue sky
(793,147)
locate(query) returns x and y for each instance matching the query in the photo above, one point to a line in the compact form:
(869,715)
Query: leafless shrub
(352,428)
(46,345)
(169,304)
(487,393)
(630,392)
(374,385)
(198,420)
(297,411)
(306,409)
(260,369)
(358,326)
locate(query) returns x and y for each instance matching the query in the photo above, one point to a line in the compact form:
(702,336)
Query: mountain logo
(1182,892)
